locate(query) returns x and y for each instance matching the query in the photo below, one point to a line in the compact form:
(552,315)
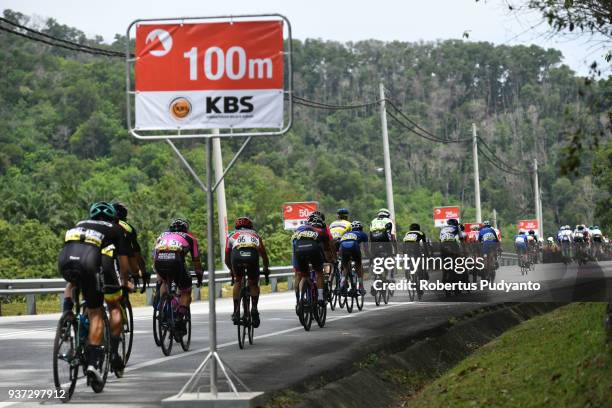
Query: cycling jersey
(243,248)
(564,236)
(415,243)
(81,257)
(350,246)
(520,243)
(169,256)
(339,228)
(449,233)
(308,244)
(381,224)
(130,235)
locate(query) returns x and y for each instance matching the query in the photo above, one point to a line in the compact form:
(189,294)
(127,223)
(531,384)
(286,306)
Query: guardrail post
(196,293)
(61,302)
(274,284)
(219,290)
(289,282)
(149,296)
(31,304)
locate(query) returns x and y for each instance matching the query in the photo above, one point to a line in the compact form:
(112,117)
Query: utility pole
(494,218)
(476,175)
(221,206)
(387,159)
(536,189)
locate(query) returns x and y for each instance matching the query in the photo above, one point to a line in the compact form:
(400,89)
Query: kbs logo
(229,104)
(180,108)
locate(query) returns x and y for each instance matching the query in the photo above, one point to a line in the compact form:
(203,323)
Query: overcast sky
(342,20)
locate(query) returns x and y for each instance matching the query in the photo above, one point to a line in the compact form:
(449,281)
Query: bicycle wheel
(306,305)
(334,289)
(96,386)
(122,349)
(321,313)
(377,296)
(385,295)
(156,325)
(128,330)
(166,321)
(65,358)
(360,299)
(242,325)
(186,339)
(342,299)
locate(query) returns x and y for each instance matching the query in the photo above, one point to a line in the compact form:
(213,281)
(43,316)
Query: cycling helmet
(315,220)
(474,227)
(383,213)
(343,213)
(550,240)
(522,232)
(462,227)
(319,213)
(415,227)
(356,226)
(244,222)
(452,221)
(179,225)
(531,232)
(486,223)
(121,210)
(102,209)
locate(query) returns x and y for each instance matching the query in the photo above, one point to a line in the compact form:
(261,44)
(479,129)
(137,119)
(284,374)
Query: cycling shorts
(521,249)
(245,260)
(349,250)
(79,264)
(110,269)
(308,252)
(171,267)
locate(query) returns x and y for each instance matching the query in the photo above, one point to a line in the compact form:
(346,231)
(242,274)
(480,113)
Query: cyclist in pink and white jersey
(171,247)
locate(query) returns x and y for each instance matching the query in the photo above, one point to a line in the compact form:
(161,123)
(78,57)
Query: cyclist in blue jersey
(487,236)
(350,250)
(521,246)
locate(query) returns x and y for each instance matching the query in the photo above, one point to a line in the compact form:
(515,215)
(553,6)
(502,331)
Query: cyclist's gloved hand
(266,272)
(200,277)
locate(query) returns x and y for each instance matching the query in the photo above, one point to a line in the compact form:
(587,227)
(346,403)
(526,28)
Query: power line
(57,42)
(500,162)
(412,129)
(427,132)
(321,105)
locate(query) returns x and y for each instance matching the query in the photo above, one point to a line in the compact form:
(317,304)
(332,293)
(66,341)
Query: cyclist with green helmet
(80,263)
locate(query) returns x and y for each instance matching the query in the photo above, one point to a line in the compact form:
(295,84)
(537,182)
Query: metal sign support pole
(212,317)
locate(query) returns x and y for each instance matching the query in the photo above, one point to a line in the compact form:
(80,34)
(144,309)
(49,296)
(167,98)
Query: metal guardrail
(31,288)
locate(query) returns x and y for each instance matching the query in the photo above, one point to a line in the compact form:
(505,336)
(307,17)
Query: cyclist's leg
(239,271)
(112,297)
(345,260)
(184,284)
(253,277)
(359,268)
(94,298)
(317,259)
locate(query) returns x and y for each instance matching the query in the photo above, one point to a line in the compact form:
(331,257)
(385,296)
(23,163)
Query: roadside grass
(559,359)
(46,304)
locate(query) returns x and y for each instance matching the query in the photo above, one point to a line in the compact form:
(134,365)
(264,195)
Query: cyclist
(171,247)
(489,240)
(137,262)
(350,249)
(597,238)
(415,245)
(532,245)
(341,226)
(565,238)
(80,262)
(311,242)
(521,245)
(471,241)
(449,246)
(243,247)
(581,241)
(382,240)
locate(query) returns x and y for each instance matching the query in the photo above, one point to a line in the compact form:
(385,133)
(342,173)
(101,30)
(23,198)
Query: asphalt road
(283,354)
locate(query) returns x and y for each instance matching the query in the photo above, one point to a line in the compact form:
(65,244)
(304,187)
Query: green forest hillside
(63,142)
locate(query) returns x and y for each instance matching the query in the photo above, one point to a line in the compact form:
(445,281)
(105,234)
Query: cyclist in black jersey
(80,263)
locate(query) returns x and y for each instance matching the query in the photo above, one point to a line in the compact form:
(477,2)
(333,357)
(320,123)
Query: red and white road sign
(209,75)
(296,214)
(443,214)
(527,225)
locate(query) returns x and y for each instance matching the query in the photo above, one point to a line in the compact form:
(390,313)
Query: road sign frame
(207,133)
